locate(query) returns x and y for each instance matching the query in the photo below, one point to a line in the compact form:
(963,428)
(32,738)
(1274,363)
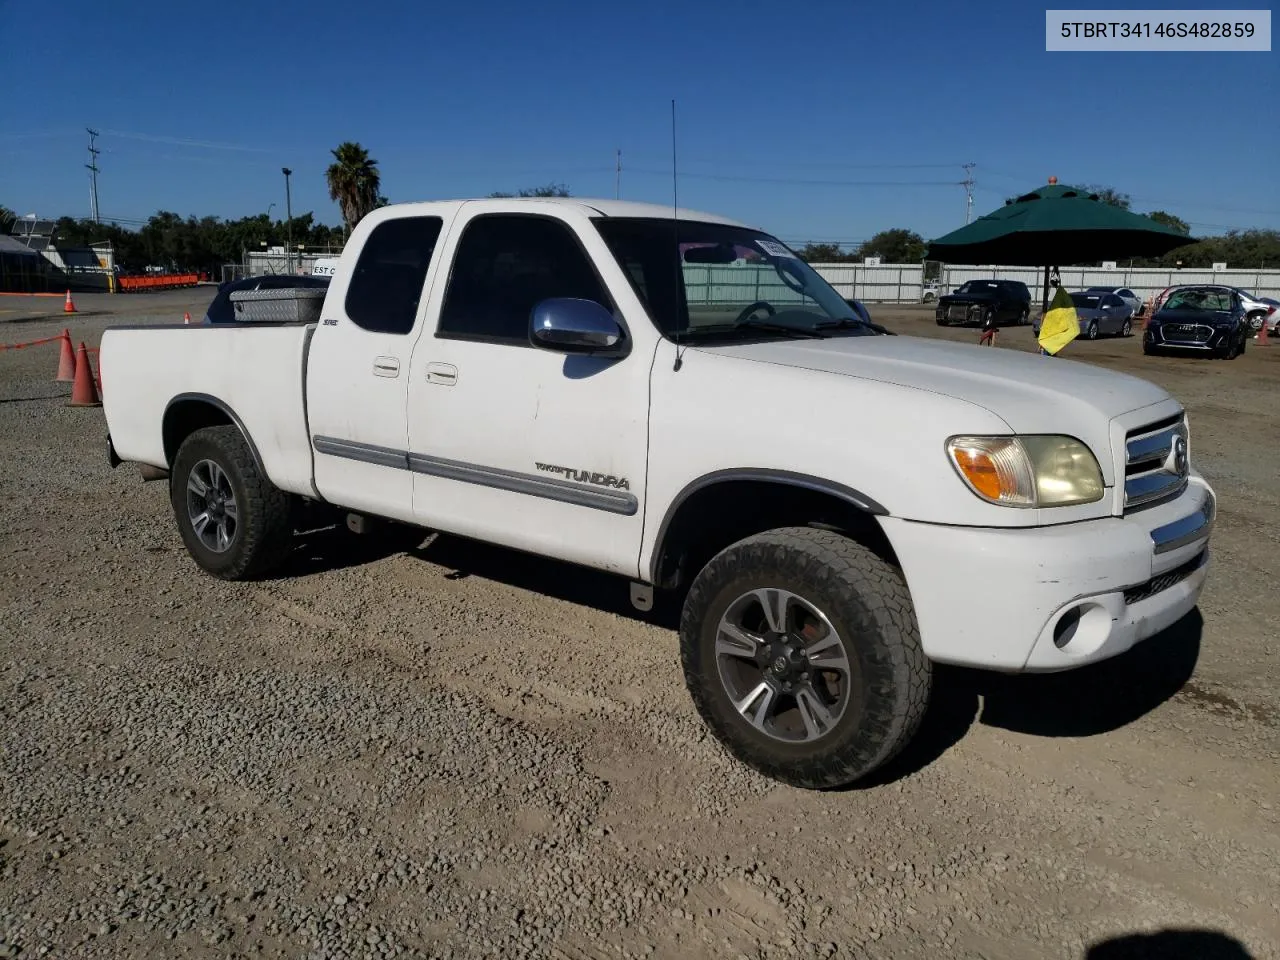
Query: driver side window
(504,266)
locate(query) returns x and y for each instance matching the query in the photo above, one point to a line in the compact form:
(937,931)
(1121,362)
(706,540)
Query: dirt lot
(461,752)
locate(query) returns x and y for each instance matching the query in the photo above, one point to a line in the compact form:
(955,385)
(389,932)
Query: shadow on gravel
(59,315)
(1096,699)
(333,547)
(1170,945)
(1079,703)
(61,395)
(553,578)
(336,548)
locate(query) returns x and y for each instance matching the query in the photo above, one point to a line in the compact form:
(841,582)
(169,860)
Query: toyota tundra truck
(680,400)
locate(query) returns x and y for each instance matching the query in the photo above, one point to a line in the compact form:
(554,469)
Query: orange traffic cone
(1262,331)
(69,307)
(84,393)
(67,361)
(186,316)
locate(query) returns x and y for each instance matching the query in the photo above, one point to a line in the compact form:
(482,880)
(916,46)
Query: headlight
(1038,471)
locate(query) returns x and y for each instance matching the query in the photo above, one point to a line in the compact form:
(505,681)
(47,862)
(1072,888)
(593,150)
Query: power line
(1192,223)
(191,142)
(790,238)
(810,165)
(1208,206)
(789,181)
(1006,175)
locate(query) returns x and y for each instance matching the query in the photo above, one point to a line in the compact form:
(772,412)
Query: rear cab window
(387,280)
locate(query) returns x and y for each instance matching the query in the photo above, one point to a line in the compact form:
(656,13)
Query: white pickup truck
(680,400)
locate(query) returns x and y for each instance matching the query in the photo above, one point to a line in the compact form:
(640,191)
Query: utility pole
(92,167)
(968,184)
(617,182)
(288,206)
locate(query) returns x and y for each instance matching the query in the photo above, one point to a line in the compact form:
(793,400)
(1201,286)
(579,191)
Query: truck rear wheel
(802,654)
(235,523)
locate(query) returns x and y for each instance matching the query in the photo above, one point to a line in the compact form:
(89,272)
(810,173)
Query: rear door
(1114,310)
(358,366)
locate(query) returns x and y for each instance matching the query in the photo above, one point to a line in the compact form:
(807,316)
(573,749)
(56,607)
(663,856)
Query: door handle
(445,373)
(386,367)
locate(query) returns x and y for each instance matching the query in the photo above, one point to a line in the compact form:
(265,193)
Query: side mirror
(568,325)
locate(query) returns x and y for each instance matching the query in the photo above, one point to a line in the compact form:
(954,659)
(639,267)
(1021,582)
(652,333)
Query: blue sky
(199,107)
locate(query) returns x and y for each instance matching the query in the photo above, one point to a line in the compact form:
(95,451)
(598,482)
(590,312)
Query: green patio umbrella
(1053,226)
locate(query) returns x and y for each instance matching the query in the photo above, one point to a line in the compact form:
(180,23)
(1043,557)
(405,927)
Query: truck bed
(254,372)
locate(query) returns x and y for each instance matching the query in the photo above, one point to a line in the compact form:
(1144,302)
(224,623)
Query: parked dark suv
(1199,318)
(220,309)
(985,302)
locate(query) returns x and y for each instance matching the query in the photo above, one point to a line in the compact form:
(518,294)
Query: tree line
(354,183)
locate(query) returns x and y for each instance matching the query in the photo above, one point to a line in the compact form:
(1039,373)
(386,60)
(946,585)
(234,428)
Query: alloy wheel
(783,664)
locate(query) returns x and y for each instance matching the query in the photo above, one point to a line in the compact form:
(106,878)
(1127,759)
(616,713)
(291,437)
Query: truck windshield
(709,281)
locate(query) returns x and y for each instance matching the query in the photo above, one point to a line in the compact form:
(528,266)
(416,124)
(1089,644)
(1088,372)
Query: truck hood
(1030,392)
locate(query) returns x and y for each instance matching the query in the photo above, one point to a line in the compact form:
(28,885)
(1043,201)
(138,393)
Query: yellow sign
(1060,325)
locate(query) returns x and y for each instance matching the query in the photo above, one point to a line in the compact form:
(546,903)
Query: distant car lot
(194,763)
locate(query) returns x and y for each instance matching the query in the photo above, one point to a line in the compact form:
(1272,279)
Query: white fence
(904,283)
(258,263)
(882,283)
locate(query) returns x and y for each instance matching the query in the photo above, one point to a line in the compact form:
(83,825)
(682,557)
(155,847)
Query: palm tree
(353,182)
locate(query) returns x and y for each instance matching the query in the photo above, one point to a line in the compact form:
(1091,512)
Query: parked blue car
(1199,319)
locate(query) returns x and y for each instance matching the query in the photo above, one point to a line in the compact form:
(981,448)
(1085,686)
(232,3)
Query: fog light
(1065,629)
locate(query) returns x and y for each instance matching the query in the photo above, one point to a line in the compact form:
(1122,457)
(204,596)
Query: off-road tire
(264,532)
(867,601)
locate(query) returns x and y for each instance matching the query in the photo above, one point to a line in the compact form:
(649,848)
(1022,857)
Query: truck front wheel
(802,654)
(235,523)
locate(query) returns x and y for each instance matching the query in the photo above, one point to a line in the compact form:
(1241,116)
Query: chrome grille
(1187,332)
(1165,580)
(958,311)
(1157,463)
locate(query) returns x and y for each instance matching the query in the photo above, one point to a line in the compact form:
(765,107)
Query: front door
(357,370)
(516,444)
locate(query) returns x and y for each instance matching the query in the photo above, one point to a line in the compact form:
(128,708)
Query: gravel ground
(458,751)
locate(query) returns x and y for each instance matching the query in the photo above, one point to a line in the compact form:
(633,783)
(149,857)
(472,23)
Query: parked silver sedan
(1102,313)
(1124,293)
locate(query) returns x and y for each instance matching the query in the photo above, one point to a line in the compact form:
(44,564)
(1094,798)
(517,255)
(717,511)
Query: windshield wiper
(853,323)
(780,328)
